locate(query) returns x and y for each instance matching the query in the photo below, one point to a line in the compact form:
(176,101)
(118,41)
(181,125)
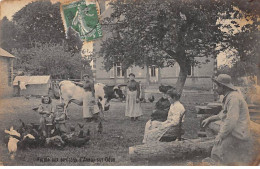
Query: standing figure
(89,104)
(133,107)
(60,119)
(46,111)
(233,142)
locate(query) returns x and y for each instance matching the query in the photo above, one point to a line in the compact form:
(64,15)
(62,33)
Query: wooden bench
(174,132)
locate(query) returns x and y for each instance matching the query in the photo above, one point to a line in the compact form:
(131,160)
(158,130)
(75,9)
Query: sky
(9,7)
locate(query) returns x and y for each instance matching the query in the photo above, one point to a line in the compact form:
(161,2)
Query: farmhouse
(6,73)
(32,85)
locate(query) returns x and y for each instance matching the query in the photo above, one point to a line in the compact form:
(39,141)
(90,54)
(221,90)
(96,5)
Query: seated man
(231,126)
(154,130)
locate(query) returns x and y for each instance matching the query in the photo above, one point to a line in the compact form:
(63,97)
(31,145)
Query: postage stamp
(83,18)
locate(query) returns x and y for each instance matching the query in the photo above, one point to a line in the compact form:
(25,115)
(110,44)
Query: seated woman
(154,130)
(162,107)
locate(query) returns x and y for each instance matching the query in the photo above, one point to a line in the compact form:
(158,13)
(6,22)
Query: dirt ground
(119,133)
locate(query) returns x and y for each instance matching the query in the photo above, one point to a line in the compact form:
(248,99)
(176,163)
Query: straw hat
(225,80)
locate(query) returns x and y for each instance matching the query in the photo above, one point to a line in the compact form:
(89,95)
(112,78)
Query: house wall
(201,76)
(6,76)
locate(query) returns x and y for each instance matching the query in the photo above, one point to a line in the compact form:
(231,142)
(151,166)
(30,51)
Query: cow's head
(118,92)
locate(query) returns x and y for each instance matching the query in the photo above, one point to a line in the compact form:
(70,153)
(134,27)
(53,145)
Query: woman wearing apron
(133,107)
(88,98)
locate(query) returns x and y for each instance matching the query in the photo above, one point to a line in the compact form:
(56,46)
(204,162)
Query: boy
(60,119)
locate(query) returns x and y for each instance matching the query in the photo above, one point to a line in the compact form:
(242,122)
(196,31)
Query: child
(46,111)
(60,119)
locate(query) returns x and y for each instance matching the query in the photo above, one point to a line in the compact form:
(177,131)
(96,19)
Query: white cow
(70,92)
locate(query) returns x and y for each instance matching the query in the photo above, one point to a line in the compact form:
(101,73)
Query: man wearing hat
(233,140)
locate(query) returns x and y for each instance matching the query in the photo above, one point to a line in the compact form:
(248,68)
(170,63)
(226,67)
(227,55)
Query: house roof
(31,79)
(6,54)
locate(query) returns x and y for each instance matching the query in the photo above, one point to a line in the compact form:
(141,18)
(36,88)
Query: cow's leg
(66,108)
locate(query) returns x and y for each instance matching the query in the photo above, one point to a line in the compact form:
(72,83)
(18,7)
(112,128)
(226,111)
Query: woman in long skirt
(88,98)
(154,130)
(133,106)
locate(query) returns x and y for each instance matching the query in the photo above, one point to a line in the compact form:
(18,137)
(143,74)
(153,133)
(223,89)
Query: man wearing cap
(233,140)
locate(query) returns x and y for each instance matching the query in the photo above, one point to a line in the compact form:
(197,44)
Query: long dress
(89,107)
(154,130)
(133,109)
(46,111)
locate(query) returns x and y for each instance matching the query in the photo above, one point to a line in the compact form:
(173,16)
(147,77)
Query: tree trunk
(125,76)
(172,150)
(182,76)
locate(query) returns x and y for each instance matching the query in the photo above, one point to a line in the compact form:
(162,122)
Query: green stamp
(83,19)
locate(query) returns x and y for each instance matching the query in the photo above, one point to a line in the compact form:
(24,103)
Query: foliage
(51,59)
(9,34)
(40,22)
(156,31)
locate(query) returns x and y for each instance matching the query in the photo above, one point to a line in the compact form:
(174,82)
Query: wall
(6,67)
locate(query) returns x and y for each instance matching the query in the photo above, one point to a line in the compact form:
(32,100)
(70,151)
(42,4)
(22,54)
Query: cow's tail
(60,84)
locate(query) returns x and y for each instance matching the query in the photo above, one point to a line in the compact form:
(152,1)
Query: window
(190,70)
(119,72)
(153,71)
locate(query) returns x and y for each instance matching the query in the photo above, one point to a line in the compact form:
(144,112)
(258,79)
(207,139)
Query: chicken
(13,140)
(151,99)
(81,132)
(27,97)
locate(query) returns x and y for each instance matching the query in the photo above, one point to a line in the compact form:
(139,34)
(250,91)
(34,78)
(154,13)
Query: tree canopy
(51,59)
(156,31)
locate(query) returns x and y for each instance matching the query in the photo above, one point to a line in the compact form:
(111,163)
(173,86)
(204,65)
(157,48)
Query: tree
(154,32)
(40,22)
(9,35)
(51,59)
(242,35)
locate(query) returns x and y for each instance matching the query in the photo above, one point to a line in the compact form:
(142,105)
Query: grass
(108,148)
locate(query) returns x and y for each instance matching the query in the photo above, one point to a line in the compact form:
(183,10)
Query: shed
(6,73)
(32,85)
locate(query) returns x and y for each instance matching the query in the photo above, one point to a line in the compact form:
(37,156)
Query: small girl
(46,111)
(60,119)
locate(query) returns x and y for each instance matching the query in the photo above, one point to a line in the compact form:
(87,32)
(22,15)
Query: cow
(70,92)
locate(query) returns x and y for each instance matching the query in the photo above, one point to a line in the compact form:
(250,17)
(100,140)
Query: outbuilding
(32,85)
(6,73)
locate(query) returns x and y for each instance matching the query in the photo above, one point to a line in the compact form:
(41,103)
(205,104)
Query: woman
(162,107)
(133,107)
(154,130)
(88,98)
